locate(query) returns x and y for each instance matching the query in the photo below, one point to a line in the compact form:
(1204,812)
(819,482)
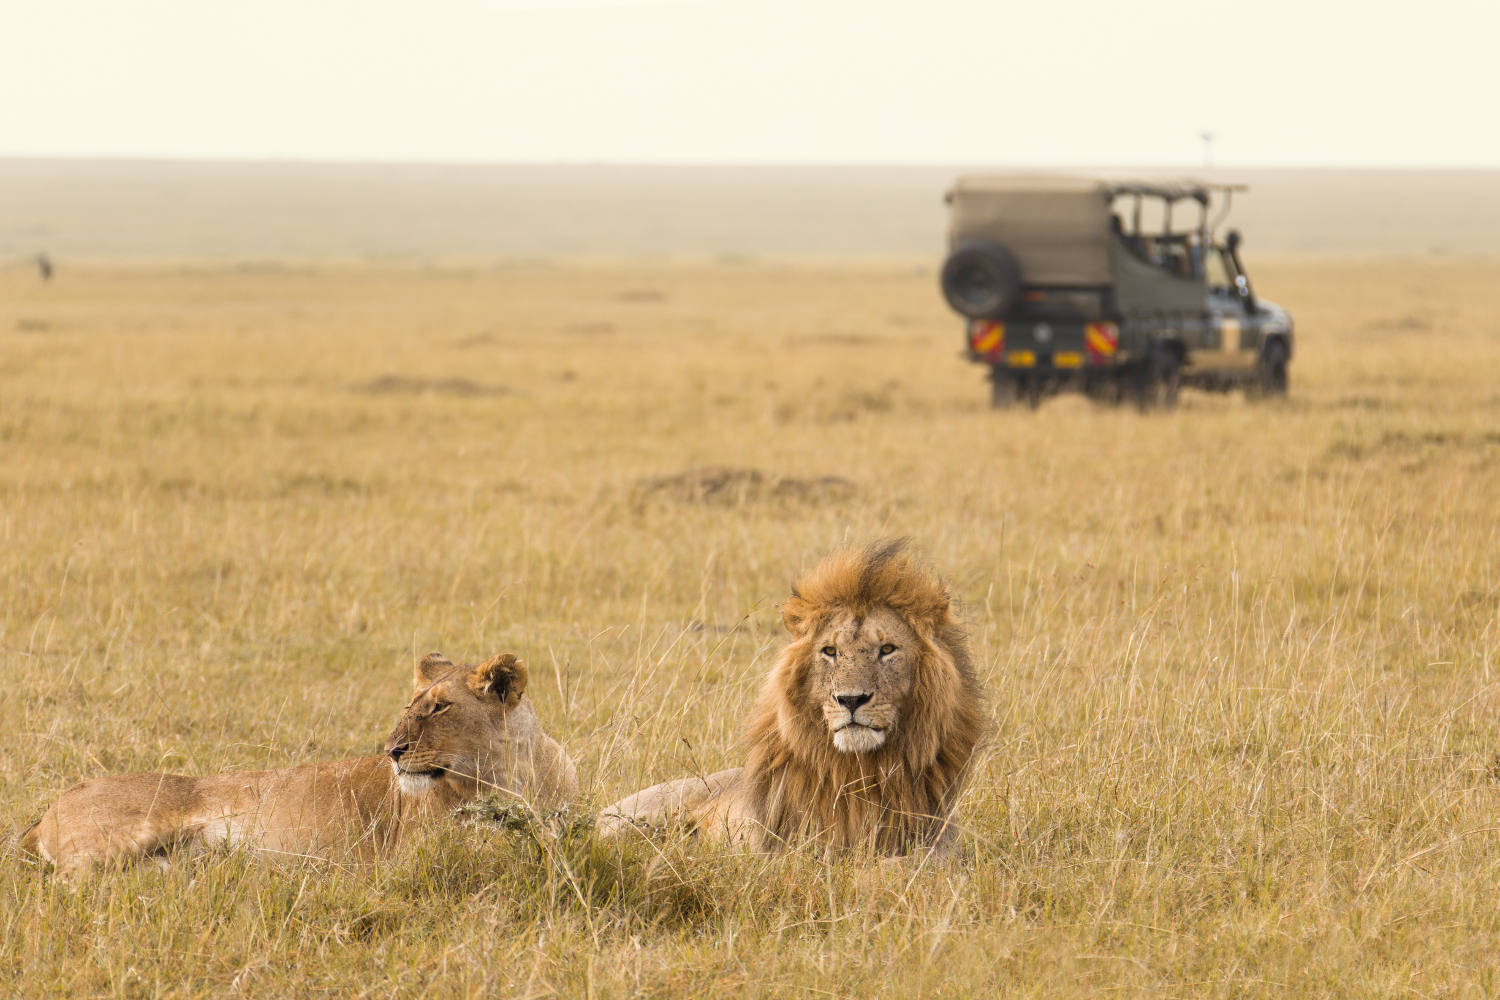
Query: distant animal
(44,266)
(467,731)
(864,731)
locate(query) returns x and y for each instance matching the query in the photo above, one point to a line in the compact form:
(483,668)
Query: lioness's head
(460,725)
(876,650)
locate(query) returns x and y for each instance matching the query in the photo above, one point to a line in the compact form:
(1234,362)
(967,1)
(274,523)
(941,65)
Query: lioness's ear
(503,676)
(433,666)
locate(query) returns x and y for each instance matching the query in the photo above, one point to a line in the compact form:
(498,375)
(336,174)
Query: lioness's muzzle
(398,745)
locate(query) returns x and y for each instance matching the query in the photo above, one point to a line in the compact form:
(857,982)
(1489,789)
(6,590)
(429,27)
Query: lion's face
(458,726)
(862,670)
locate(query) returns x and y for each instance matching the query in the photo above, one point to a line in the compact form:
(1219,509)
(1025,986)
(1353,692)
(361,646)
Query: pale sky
(1310,83)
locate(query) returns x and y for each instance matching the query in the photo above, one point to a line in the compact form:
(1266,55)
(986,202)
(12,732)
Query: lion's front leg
(689,805)
(945,842)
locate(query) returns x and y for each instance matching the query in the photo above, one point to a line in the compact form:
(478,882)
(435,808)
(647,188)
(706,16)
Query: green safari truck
(1075,284)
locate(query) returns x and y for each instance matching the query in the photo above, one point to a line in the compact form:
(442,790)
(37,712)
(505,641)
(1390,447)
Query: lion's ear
(433,666)
(796,616)
(503,676)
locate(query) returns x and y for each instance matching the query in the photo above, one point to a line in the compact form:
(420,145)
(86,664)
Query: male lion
(466,731)
(864,731)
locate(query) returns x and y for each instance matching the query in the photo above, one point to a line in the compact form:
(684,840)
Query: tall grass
(1240,658)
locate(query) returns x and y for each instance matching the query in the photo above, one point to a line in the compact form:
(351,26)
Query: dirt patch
(1399,324)
(391,385)
(1365,403)
(477,340)
(833,340)
(730,486)
(1403,442)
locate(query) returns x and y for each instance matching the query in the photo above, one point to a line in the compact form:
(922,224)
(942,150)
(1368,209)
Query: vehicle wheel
(981,280)
(1271,379)
(1002,388)
(1158,381)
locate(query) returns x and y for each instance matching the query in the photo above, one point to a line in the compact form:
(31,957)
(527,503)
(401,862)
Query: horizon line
(289,161)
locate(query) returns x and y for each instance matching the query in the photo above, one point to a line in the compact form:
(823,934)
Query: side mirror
(1232,241)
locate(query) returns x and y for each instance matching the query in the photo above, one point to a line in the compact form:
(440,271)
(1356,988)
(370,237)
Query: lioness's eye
(830,651)
(887,649)
(441,707)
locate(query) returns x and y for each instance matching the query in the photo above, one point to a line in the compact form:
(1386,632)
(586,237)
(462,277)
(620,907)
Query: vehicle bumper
(1046,347)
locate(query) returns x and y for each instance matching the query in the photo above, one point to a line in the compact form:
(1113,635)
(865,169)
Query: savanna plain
(1241,659)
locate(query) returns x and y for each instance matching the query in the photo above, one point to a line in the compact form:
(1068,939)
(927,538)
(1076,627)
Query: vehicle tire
(1271,379)
(1158,381)
(1002,388)
(981,280)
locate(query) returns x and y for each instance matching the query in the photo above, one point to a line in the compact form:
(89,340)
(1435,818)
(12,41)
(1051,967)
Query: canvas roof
(1058,227)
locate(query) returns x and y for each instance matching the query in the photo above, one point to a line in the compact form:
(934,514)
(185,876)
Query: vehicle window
(1218,274)
(1173,258)
(1153,234)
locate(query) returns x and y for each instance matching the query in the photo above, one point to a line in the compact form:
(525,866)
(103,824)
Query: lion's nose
(852,701)
(396,748)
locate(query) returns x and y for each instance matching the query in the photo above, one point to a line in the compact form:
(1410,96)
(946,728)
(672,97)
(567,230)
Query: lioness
(467,730)
(864,730)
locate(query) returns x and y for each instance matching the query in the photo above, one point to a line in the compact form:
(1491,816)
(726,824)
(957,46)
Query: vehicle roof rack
(1171,190)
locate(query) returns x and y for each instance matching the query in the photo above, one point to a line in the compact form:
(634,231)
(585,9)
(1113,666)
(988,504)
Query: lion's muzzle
(856,729)
(855,738)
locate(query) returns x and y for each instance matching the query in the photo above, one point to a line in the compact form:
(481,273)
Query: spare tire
(981,280)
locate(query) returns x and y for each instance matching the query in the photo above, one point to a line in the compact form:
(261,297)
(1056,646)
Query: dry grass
(1241,658)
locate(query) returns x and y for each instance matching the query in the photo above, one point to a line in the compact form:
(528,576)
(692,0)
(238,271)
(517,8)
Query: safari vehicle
(1078,284)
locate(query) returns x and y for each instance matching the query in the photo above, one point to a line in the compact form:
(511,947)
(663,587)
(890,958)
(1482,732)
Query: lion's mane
(901,796)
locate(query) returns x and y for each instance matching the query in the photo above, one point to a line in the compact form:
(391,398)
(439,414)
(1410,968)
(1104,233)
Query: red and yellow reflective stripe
(987,337)
(1102,340)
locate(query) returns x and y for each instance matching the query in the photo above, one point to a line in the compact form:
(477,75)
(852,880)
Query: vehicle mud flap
(1031,391)
(1112,390)
(1158,381)
(1002,388)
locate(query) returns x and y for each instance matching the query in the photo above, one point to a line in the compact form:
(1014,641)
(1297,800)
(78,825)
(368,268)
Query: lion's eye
(887,649)
(441,707)
(830,651)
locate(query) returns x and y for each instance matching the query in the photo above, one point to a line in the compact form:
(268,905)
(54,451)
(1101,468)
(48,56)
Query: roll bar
(1172,193)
